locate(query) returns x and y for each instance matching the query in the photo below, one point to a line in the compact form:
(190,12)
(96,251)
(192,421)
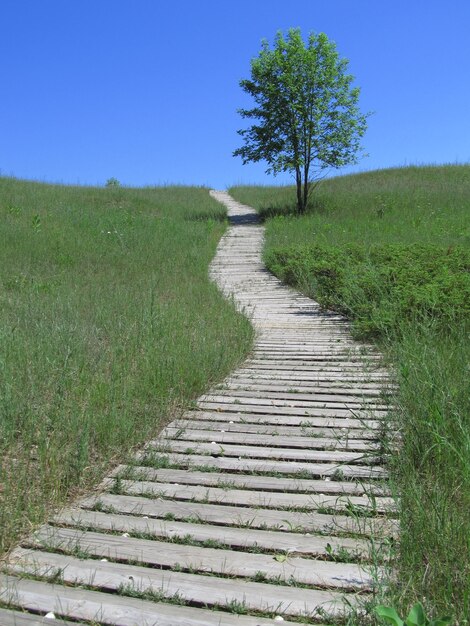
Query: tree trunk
(306,189)
(298,180)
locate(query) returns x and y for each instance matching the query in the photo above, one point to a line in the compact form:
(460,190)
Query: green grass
(391,250)
(108,327)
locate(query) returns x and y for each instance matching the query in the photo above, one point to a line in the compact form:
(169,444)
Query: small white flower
(49,615)
(125,535)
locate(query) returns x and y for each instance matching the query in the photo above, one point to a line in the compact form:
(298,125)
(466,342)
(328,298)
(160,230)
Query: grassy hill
(108,326)
(391,250)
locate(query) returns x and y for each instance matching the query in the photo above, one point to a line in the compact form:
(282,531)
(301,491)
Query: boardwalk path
(272,484)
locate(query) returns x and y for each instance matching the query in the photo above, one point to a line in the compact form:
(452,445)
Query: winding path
(265,501)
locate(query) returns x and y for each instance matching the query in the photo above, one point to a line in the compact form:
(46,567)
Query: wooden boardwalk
(265,502)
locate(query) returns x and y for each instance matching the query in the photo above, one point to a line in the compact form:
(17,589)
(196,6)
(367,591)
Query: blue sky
(147,91)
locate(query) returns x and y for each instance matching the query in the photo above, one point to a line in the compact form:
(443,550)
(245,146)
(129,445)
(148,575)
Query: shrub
(380,286)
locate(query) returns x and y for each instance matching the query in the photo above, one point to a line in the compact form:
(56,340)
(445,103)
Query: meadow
(391,250)
(109,326)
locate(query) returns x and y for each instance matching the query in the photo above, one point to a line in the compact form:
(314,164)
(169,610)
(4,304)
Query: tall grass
(108,327)
(381,247)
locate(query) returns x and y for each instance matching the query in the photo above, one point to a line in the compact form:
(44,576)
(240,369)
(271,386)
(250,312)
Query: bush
(380,286)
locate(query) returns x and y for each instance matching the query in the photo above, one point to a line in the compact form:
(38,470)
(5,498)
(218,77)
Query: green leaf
(389,615)
(416,616)
(441,621)
(280,558)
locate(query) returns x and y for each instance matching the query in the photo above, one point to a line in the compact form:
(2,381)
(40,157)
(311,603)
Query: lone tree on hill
(306,110)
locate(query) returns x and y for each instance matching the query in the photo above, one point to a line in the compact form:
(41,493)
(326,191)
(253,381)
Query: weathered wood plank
(361,366)
(304,357)
(285,392)
(262,400)
(303,441)
(341,378)
(333,364)
(264,452)
(194,558)
(304,428)
(271,415)
(166,584)
(265,499)
(10,617)
(241,516)
(317,390)
(291,543)
(243,396)
(267,466)
(250,481)
(263,407)
(82,604)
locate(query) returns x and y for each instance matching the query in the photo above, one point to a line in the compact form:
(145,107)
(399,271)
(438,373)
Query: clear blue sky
(147,91)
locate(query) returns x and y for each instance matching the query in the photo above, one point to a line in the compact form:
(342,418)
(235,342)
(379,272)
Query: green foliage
(383,285)
(416,617)
(306,107)
(432,469)
(112,182)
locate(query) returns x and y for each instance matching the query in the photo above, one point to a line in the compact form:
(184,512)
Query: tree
(306,110)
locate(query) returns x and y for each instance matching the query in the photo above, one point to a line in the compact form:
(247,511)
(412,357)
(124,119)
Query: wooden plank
(289,400)
(243,497)
(300,440)
(345,426)
(312,343)
(267,466)
(10,617)
(243,538)
(365,393)
(314,376)
(325,574)
(270,399)
(82,604)
(263,406)
(250,481)
(332,398)
(368,393)
(359,369)
(263,452)
(304,428)
(242,516)
(333,364)
(331,352)
(253,407)
(220,592)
